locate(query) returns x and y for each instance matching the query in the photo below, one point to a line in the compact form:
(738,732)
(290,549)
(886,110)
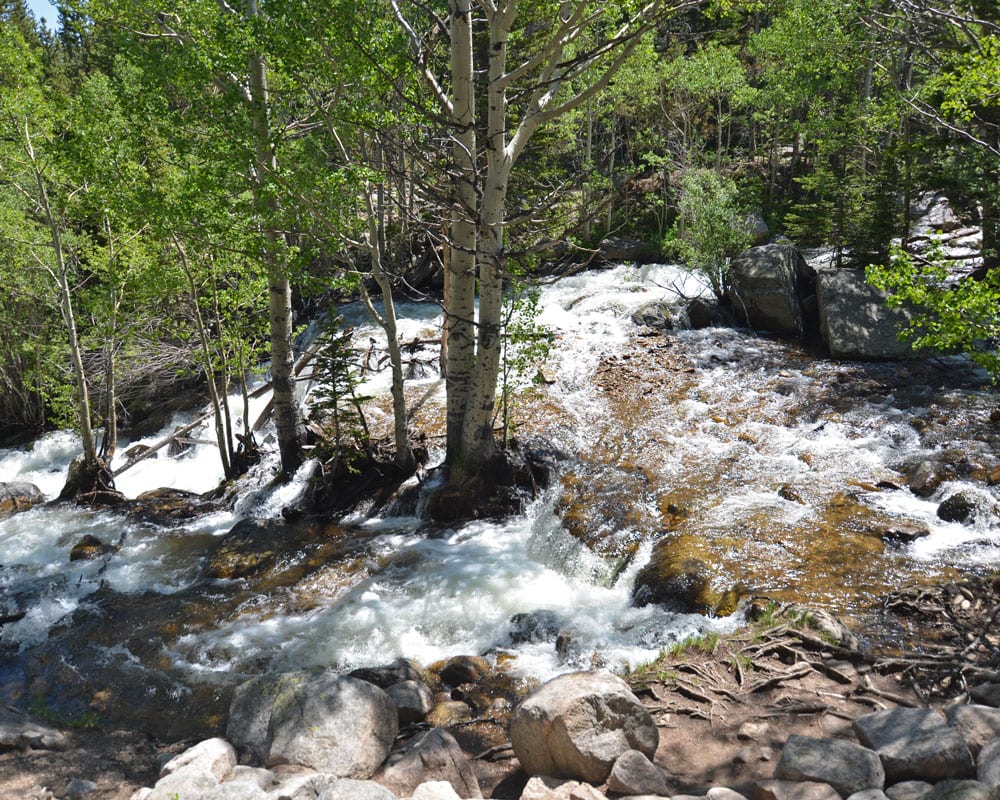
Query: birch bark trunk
(287,419)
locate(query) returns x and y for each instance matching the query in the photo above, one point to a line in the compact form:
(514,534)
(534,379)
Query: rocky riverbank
(790,707)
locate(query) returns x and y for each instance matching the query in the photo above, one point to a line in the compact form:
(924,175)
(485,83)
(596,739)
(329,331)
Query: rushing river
(775,469)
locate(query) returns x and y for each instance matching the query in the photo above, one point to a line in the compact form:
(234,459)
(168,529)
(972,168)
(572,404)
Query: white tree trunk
(460,310)
(287,418)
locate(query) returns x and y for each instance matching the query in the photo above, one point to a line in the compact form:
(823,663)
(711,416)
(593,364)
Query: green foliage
(950,314)
(526,346)
(711,226)
(336,407)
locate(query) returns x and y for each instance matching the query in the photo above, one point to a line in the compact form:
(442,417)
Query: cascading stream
(771,468)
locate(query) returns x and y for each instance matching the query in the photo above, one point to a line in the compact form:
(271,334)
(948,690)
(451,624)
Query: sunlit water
(723,420)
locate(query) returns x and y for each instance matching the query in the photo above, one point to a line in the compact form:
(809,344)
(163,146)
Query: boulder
(909,790)
(701,313)
(959,790)
(988,764)
(331,723)
(902,532)
(976,724)
(925,478)
(430,756)
(869,794)
(854,321)
(542,788)
(215,757)
(682,575)
(768,286)
(413,700)
(351,789)
(89,548)
(846,766)
(435,790)
(966,507)
(18,732)
(400,670)
(578,724)
(988,694)
(633,773)
(541,625)
(464,669)
(16,496)
(915,744)
(794,790)
(934,214)
(621,249)
(653,315)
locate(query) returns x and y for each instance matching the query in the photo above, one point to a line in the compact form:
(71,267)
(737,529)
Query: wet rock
(976,724)
(633,773)
(964,507)
(924,479)
(679,576)
(791,494)
(464,669)
(331,723)
(18,732)
(246,549)
(542,625)
(769,284)
(915,744)
(413,700)
(431,756)
(88,548)
(700,313)
(577,725)
(398,671)
(17,496)
(993,478)
(449,713)
(846,766)
(653,315)
(169,506)
(908,790)
(794,790)
(903,532)
(854,319)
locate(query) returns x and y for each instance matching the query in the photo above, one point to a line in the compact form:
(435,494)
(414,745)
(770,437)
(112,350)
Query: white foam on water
(455,594)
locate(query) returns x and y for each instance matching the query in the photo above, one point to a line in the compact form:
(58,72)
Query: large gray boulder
(915,744)
(578,724)
(846,766)
(854,320)
(434,755)
(977,724)
(338,725)
(769,285)
(18,496)
(634,774)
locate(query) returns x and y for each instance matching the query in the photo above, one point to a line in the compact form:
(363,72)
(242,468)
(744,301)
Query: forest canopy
(178,188)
